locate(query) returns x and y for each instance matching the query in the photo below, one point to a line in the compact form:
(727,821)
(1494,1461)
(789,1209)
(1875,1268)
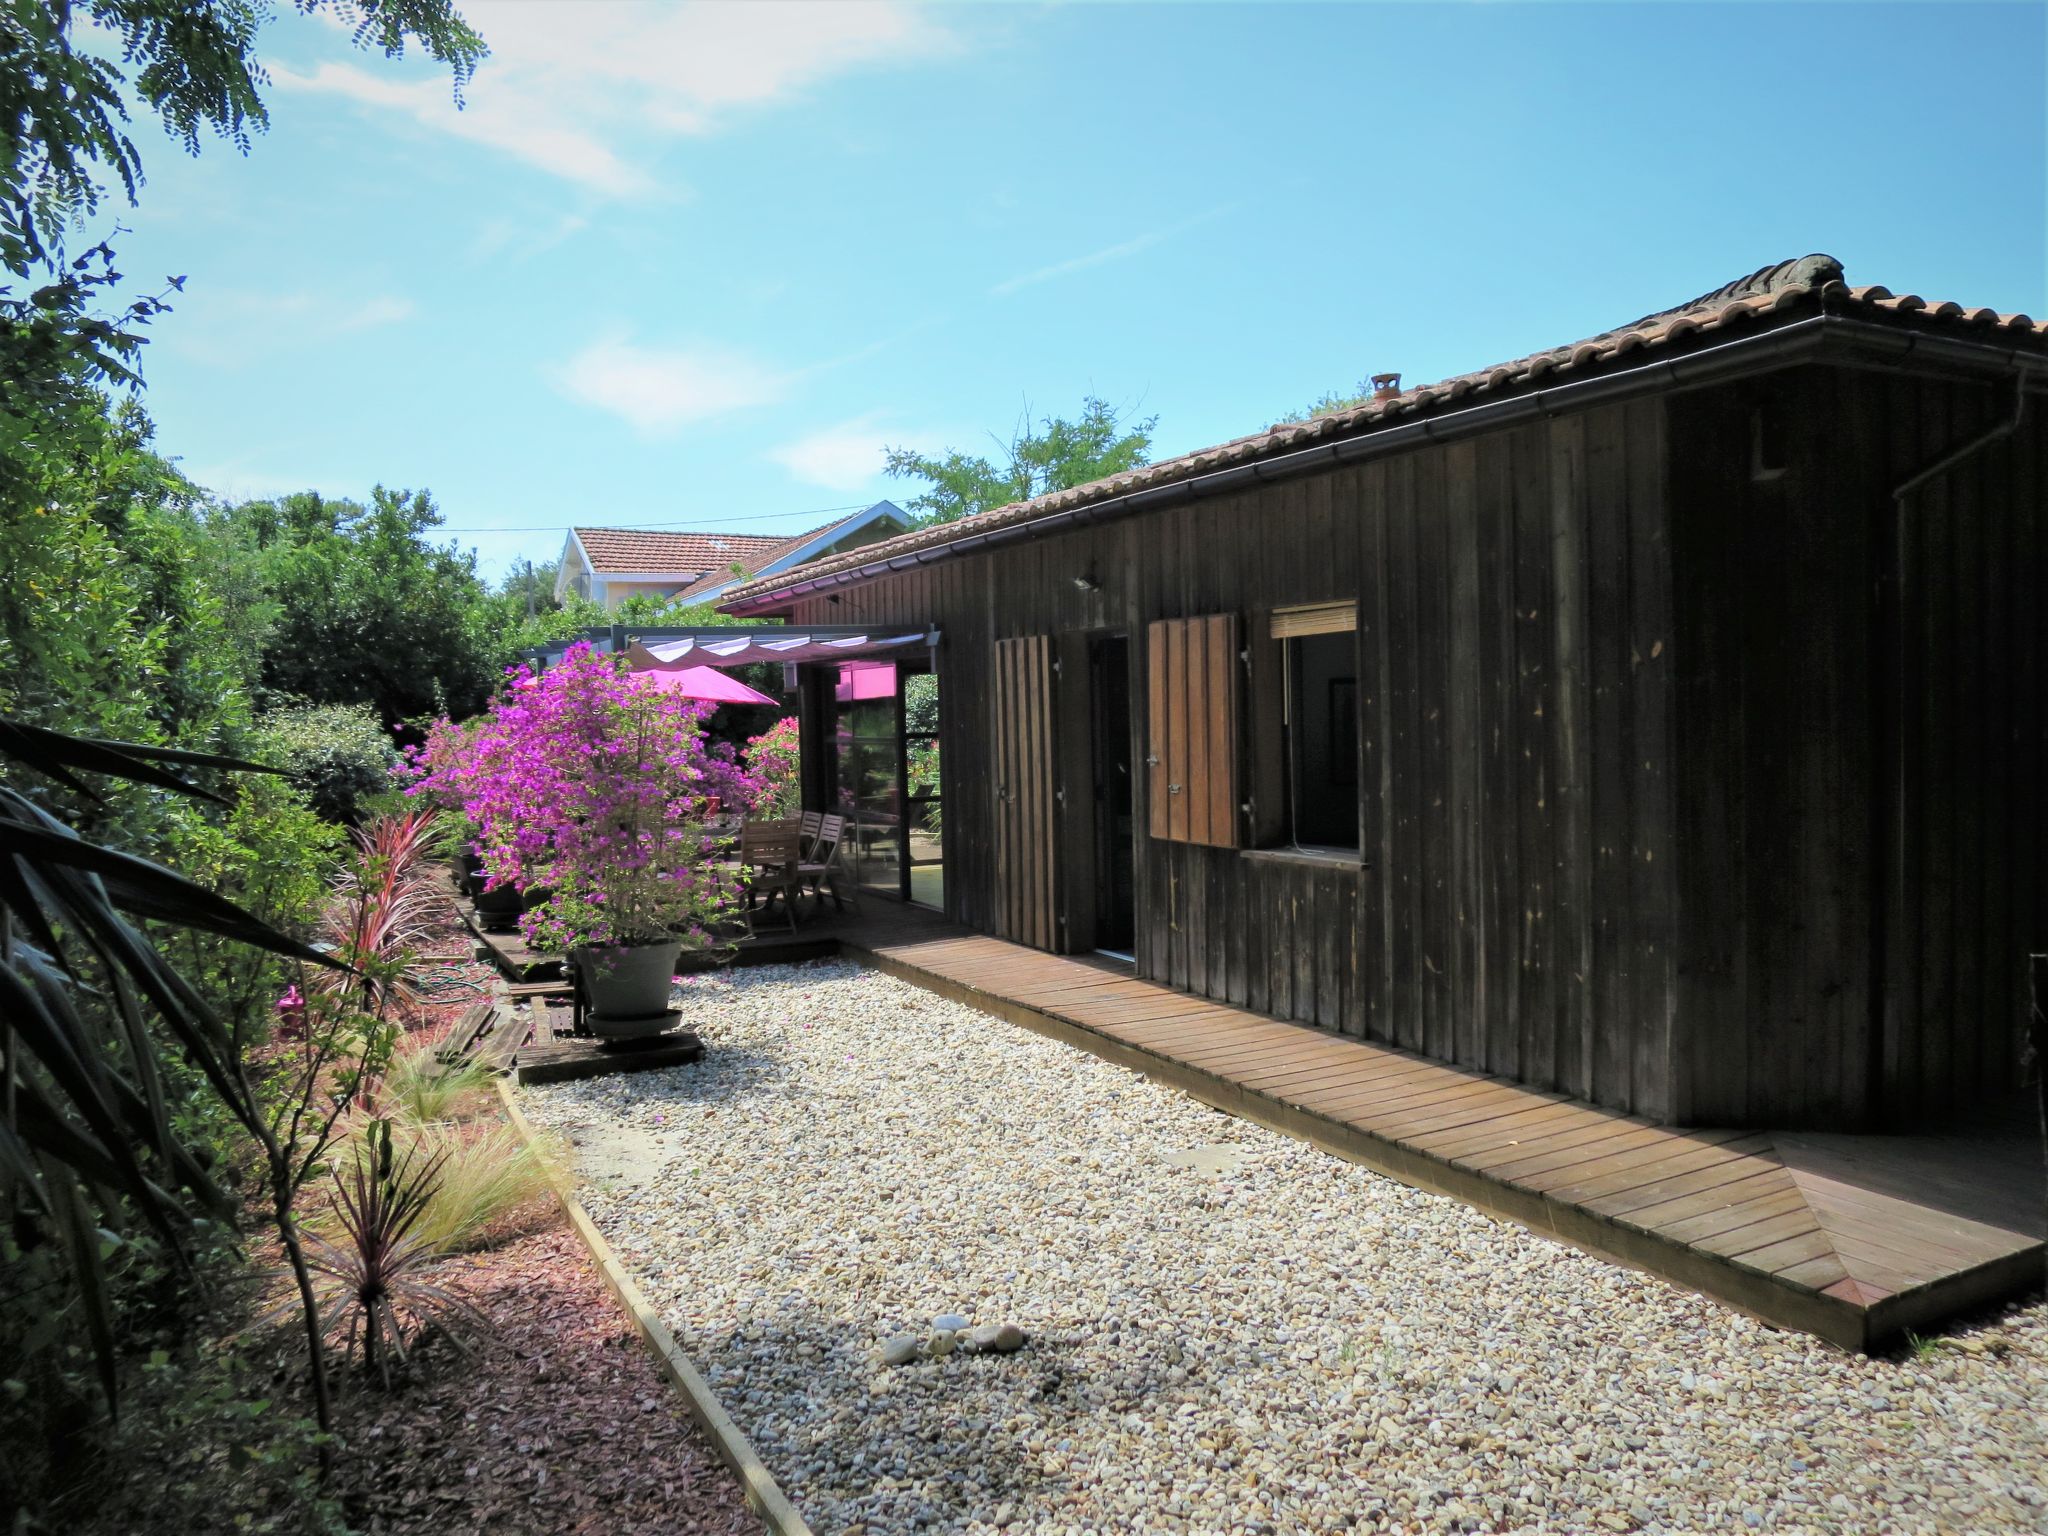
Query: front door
(1109,690)
(1024,792)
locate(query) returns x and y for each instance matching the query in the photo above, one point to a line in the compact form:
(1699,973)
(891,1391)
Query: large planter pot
(469,873)
(499,908)
(627,986)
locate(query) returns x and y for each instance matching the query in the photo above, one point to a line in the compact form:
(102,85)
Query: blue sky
(696,265)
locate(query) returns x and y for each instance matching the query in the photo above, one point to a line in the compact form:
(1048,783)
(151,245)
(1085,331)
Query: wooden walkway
(1853,1238)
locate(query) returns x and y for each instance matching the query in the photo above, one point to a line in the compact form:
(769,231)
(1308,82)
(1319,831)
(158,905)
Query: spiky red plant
(372,1292)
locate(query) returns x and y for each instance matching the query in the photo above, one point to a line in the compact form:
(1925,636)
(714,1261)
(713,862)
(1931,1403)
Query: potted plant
(588,788)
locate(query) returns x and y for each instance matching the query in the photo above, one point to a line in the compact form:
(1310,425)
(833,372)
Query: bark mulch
(566,1427)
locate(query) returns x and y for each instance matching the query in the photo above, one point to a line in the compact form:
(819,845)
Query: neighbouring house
(1658,719)
(609,565)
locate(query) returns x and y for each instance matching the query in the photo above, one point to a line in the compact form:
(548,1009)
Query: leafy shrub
(338,753)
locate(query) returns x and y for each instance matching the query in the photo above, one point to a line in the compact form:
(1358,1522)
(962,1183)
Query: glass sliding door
(885,778)
(868,773)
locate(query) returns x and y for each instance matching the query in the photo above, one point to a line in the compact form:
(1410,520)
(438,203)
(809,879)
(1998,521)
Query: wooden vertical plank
(1652,897)
(1375,782)
(1405,787)
(1260,942)
(1195,787)
(1177,742)
(1040,819)
(1571,893)
(1430,795)
(1328,925)
(1157,693)
(1610,730)
(1893,832)
(1007,918)
(1500,991)
(1929,690)
(1465,909)
(1223,673)
(1534,787)
(1711,729)
(1971,747)
(1303,918)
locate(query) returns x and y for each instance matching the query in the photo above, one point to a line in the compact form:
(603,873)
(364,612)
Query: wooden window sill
(1322,858)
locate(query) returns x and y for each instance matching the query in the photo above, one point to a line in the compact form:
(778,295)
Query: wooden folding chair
(769,855)
(810,822)
(822,871)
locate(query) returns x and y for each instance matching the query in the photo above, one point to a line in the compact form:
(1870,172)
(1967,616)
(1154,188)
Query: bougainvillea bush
(591,785)
(772,761)
(763,781)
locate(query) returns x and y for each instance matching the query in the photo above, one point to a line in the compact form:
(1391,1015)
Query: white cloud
(659,389)
(1108,253)
(579,91)
(845,457)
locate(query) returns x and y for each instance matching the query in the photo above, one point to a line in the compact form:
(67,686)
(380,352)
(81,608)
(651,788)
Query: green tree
(1057,456)
(359,605)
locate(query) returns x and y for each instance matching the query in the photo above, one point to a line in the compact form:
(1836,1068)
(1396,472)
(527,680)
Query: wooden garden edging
(763,1495)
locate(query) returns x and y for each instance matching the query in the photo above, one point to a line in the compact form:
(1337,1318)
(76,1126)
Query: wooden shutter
(1191,759)
(1024,791)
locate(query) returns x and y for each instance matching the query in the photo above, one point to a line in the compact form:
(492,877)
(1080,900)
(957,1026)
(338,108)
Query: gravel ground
(1229,1330)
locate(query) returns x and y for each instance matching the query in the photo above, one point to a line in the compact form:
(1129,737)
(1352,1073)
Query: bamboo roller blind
(1314,619)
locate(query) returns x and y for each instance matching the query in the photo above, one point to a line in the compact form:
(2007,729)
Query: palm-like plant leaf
(83,1118)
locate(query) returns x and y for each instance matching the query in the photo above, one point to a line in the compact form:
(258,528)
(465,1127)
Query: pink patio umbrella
(707,683)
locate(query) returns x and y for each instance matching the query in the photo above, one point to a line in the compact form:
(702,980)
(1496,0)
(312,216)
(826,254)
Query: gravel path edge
(763,1494)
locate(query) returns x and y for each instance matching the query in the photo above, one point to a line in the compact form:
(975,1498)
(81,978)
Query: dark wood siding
(1515,742)
(1621,711)
(1861,761)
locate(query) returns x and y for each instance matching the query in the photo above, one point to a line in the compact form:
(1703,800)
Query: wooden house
(1658,719)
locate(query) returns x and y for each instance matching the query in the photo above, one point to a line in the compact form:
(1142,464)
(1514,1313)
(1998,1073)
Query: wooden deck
(1853,1238)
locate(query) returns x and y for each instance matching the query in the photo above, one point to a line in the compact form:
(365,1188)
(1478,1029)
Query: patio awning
(772,644)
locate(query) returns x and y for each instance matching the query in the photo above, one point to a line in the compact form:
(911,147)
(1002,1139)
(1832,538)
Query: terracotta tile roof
(711,581)
(695,554)
(1782,290)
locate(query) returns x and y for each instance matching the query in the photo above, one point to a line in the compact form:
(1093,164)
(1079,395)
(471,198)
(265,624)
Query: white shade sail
(769,644)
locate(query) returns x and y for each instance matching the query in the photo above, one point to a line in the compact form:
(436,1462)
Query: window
(1319,723)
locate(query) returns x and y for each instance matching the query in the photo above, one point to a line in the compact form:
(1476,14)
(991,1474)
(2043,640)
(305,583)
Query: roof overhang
(1825,337)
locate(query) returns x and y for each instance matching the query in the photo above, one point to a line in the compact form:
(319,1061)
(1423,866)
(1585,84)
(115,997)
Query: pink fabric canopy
(706,683)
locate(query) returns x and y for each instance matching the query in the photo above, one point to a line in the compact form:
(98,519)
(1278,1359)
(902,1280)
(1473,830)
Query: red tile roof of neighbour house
(617,550)
(1785,290)
(760,559)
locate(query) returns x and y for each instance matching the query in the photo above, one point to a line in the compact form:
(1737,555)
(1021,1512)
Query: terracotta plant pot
(627,986)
